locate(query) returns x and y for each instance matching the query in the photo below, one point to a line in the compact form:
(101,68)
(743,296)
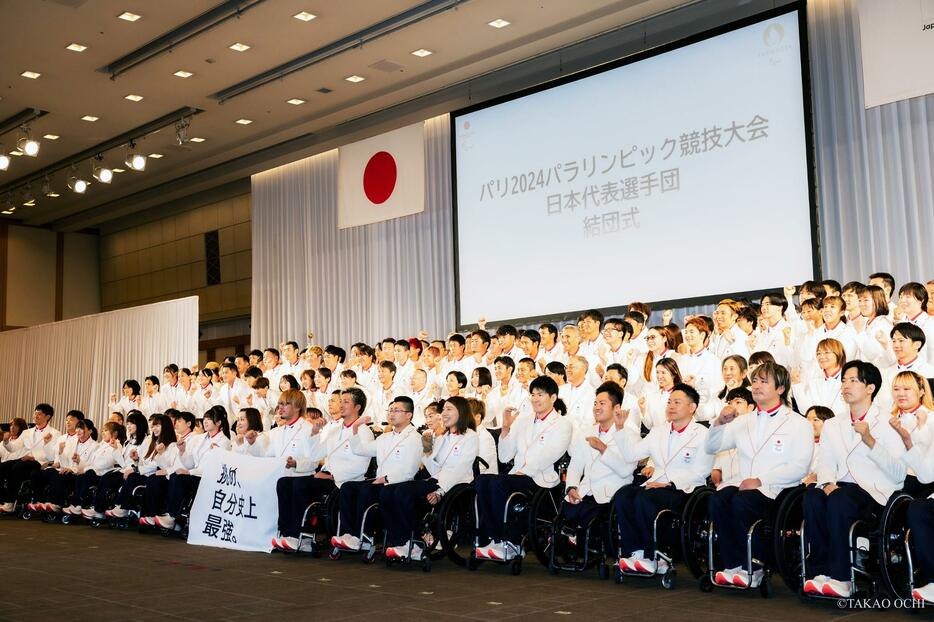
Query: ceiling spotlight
(28,199)
(239,47)
(129,17)
(47,188)
(75,183)
(134,160)
(181,131)
(26,144)
(155,156)
(498,23)
(4,159)
(305,16)
(103,174)
(295,101)
(76,47)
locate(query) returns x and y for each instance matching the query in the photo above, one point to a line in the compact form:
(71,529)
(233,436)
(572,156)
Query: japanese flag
(381,177)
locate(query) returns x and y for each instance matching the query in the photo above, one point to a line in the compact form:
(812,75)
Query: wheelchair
(777,532)
(369,538)
(538,512)
(319,523)
(577,548)
(446,530)
(666,537)
(878,552)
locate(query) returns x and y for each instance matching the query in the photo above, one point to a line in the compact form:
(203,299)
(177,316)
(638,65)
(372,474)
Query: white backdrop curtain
(875,189)
(391,278)
(77,364)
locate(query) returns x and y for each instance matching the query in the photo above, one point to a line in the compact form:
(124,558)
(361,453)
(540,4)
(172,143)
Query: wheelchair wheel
(544,508)
(893,546)
(694,533)
(668,579)
(786,537)
(457,523)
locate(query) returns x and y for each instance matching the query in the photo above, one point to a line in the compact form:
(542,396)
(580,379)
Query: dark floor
(75,573)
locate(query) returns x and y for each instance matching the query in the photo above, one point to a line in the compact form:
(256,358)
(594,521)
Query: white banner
(236,505)
(381,177)
(897,42)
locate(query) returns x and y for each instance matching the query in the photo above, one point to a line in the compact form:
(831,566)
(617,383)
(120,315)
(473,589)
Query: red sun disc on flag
(379,177)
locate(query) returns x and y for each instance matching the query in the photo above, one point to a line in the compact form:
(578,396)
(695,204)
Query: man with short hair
(293,364)
(234,392)
(507,335)
(774,446)
(580,393)
(40,445)
(398,454)
(912,303)
(550,347)
(859,466)
(681,465)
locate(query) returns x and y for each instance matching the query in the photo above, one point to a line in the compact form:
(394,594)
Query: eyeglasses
(396,411)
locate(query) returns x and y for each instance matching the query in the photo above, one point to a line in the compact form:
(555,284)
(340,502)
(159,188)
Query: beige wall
(30,295)
(164,259)
(38,285)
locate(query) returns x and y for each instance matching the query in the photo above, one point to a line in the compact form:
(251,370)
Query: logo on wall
(773,34)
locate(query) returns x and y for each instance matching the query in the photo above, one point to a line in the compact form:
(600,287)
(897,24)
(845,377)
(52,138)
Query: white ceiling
(34,36)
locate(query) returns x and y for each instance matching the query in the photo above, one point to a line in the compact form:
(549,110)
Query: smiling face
(449,416)
(906,393)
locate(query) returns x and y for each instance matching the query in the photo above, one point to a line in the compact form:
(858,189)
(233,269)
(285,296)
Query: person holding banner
(398,456)
(298,444)
(183,482)
(450,461)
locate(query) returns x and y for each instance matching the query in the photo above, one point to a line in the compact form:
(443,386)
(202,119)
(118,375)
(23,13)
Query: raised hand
(795,375)
(596,443)
(361,421)
(789,291)
(643,404)
(510,414)
(786,333)
(619,418)
(727,415)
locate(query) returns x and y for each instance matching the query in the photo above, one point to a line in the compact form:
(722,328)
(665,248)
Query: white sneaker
(504,551)
(837,589)
(650,566)
(89,513)
(51,507)
(165,521)
(417,553)
(481,551)
(349,542)
(815,585)
(305,546)
(288,544)
(7,507)
(71,509)
(925,593)
(741,578)
(118,512)
(725,577)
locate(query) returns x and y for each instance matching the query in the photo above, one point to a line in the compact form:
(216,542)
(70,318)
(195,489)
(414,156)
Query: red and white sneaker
(347,542)
(925,593)
(724,577)
(815,585)
(650,566)
(627,564)
(275,543)
(147,521)
(741,578)
(480,551)
(837,589)
(289,544)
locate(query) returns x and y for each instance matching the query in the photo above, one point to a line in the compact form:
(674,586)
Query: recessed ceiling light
(7,212)
(295,101)
(89,117)
(181,73)
(305,16)
(134,98)
(32,75)
(129,17)
(499,23)
(244,121)
(51,137)
(155,156)
(197,139)
(355,78)
(53,195)
(239,47)
(422,53)
(16,152)
(119,170)
(76,47)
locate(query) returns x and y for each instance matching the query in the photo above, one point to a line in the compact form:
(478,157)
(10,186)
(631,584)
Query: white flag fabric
(236,505)
(382,177)
(897,43)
